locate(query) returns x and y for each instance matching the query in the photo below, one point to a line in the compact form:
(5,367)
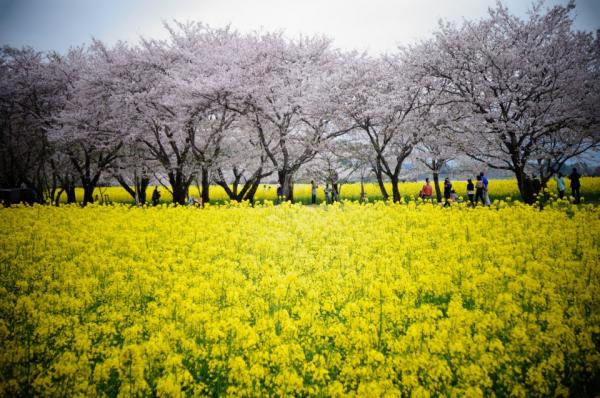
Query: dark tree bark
(436,184)
(252,191)
(71,197)
(173,157)
(91,167)
(286,185)
(249,187)
(205,185)
(395,189)
(179,185)
(380,182)
(142,186)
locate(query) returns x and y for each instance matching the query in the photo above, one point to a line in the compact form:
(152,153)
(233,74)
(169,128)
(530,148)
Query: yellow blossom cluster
(343,300)
(499,189)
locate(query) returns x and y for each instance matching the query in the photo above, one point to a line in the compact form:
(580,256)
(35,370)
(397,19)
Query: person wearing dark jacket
(313,192)
(155,196)
(575,185)
(471,191)
(447,191)
(479,190)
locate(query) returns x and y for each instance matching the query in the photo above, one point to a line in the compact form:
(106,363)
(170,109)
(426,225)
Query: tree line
(216,106)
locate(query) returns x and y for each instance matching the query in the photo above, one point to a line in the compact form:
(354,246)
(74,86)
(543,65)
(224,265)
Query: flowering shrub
(377,299)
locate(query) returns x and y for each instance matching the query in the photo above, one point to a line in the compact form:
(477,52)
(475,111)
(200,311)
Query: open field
(499,189)
(379,299)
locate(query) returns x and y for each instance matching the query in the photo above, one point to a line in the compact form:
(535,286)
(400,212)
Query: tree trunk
(436,184)
(142,187)
(286,185)
(39,190)
(395,190)
(88,193)
(250,187)
(252,191)
(179,186)
(52,191)
(71,197)
(179,194)
(125,186)
(89,184)
(57,197)
(290,195)
(381,183)
(205,186)
(526,187)
(335,192)
(362,190)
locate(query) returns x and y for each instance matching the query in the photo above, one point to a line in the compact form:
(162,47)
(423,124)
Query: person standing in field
(486,195)
(447,191)
(479,190)
(427,191)
(560,184)
(471,191)
(313,192)
(575,184)
(155,196)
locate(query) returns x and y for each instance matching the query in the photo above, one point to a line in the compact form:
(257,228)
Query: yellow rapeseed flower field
(343,300)
(499,189)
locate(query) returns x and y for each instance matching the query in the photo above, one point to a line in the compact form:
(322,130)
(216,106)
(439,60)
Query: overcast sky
(373,25)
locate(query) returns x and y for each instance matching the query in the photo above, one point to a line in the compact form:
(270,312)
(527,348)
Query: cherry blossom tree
(520,85)
(388,105)
(86,129)
(29,96)
(339,162)
(154,116)
(244,163)
(288,99)
(205,78)
(436,149)
(217,106)
(63,178)
(133,170)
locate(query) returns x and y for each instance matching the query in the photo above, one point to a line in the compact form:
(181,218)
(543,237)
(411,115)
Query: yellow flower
(380,299)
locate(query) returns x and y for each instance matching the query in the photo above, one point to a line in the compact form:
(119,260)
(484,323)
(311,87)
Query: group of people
(475,191)
(479,191)
(190,200)
(575,185)
(331,192)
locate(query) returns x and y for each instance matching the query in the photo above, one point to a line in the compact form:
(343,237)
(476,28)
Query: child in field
(454,197)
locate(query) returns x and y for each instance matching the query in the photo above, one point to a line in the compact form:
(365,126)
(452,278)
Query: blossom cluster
(343,300)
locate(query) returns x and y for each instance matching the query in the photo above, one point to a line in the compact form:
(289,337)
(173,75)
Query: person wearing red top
(427,191)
